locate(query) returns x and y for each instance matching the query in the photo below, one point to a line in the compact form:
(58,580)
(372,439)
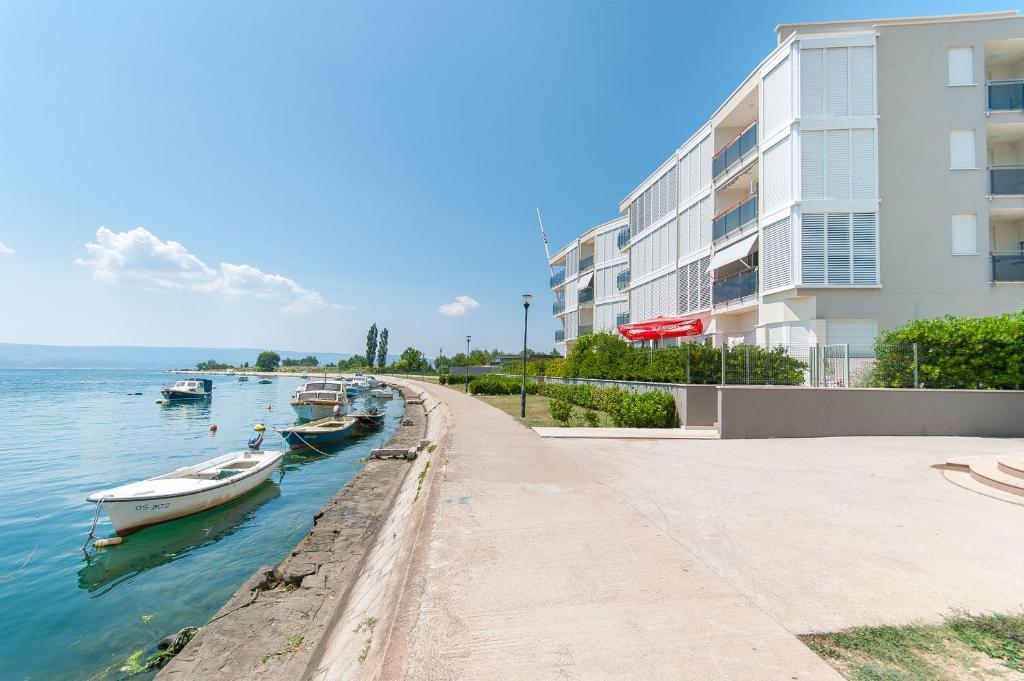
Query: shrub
(590,418)
(561,411)
(492,384)
(455,379)
(652,409)
(953,352)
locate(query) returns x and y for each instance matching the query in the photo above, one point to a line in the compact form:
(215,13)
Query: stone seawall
(272,626)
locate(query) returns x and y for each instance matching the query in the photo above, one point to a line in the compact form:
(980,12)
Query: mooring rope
(95,521)
(318,451)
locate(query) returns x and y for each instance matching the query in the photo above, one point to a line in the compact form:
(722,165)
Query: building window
(961,150)
(965,234)
(961,66)
(839,249)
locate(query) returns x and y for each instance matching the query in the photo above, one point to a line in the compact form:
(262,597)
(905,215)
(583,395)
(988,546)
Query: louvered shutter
(812,164)
(776,98)
(704,280)
(862,81)
(776,252)
(838,238)
(837,88)
(862,164)
(776,176)
(812,248)
(865,252)
(704,159)
(837,164)
(812,83)
(704,224)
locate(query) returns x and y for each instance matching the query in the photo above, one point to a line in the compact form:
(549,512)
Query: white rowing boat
(186,491)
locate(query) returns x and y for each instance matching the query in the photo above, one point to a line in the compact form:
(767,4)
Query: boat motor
(256,440)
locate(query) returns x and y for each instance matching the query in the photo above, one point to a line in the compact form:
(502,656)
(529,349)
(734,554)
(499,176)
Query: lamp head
(526,299)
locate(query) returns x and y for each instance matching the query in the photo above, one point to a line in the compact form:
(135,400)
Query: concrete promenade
(535,567)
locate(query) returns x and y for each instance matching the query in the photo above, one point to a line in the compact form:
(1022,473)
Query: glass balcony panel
(736,218)
(1008,267)
(622,318)
(558,307)
(623,237)
(735,287)
(585,329)
(1006,180)
(1006,95)
(559,335)
(586,296)
(622,279)
(735,152)
(557,278)
(586,263)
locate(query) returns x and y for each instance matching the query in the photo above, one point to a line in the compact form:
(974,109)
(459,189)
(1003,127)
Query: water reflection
(170,541)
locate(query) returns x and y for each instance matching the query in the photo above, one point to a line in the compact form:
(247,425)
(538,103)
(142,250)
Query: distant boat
(243,379)
(352,389)
(264,381)
(319,399)
(385,393)
(188,490)
(229,372)
(189,389)
(318,433)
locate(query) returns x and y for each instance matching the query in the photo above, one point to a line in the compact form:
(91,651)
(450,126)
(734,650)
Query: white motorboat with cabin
(385,392)
(186,491)
(189,389)
(319,399)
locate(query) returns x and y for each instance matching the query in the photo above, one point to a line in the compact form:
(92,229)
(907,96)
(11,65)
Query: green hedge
(455,379)
(953,352)
(492,384)
(654,409)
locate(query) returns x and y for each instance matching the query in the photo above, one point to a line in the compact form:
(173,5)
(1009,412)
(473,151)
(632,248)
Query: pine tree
(371,344)
(382,348)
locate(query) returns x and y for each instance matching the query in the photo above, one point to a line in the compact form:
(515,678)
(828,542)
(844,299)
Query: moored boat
(185,491)
(371,419)
(264,381)
(319,399)
(319,433)
(383,393)
(243,379)
(189,389)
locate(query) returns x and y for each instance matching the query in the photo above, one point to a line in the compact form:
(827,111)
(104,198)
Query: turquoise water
(71,432)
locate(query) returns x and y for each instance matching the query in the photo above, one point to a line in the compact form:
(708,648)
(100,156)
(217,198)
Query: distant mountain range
(18,356)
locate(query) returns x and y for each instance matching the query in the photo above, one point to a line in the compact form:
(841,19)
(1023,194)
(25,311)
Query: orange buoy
(213,427)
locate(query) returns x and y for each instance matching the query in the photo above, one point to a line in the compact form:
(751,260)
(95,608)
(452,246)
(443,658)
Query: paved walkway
(535,569)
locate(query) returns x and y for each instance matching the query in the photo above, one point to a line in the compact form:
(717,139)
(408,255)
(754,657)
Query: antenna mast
(544,237)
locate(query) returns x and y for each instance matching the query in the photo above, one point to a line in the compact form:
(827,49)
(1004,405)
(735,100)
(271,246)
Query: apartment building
(866,173)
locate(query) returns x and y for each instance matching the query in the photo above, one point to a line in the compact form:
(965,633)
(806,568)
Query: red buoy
(213,427)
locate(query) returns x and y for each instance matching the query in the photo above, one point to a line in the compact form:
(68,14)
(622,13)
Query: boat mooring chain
(95,521)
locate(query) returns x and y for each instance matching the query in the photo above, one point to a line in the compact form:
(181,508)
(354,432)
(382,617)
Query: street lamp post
(467,364)
(526,320)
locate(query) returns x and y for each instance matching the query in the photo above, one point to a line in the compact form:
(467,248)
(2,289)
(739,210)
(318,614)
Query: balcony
(622,318)
(622,279)
(559,335)
(1008,266)
(584,329)
(1006,95)
(622,238)
(734,152)
(735,287)
(558,307)
(586,296)
(734,218)
(1006,180)
(586,264)
(557,279)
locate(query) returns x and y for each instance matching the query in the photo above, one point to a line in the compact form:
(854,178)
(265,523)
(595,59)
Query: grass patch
(964,646)
(419,484)
(538,412)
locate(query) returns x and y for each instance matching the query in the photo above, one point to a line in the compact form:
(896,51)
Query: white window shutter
(965,234)
(776,177)
(862,164)
(837,87)
(812,83)
(837,228)
(837,164)
(812,248)
(961,66)
(704,223)
(776,98)
(862,81)
(961,149)
(812,165)
(776,254)
(865,248)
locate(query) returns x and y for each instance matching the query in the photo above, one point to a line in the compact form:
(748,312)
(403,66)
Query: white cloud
(139,257)
(460,307)
(6,250)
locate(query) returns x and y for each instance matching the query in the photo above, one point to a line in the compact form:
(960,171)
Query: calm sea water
(67,433)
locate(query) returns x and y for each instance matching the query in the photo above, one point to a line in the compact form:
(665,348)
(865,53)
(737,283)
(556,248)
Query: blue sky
(348,163)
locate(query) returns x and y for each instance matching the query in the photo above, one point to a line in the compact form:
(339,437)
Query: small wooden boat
(189,389)
(322,432)
(370,419)
(186,491)
(385,393)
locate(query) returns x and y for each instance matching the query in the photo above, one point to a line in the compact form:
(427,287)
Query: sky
(284,174)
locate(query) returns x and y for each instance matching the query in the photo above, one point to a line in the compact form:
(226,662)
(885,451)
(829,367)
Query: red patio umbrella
(662,327)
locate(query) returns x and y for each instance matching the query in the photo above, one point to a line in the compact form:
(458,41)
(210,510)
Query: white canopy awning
(584,281)
(733,252)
